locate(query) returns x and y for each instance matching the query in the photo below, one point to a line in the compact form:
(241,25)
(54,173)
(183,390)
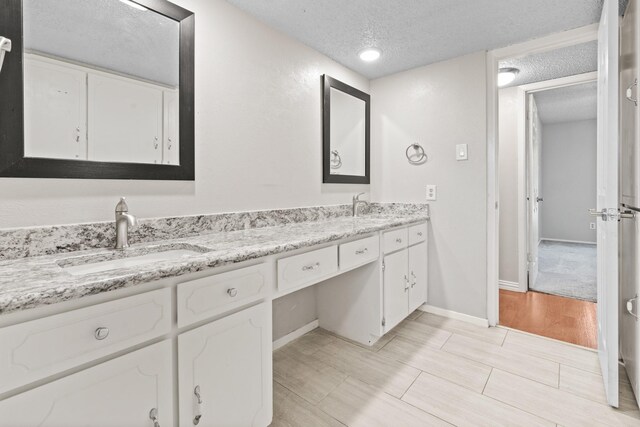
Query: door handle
(602,214)
(629,93)
(630,307)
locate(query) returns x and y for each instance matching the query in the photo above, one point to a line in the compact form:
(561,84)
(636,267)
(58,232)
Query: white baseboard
(510,286)
(568,241)
(454,315)
(280,342)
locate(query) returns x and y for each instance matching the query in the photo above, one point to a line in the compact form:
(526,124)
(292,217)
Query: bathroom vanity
(180,332)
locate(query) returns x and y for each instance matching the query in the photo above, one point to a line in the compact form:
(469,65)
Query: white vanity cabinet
(127,391)
(224,371)
(404,271)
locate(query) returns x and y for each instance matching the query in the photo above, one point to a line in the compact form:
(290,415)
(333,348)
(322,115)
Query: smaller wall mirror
(345,133)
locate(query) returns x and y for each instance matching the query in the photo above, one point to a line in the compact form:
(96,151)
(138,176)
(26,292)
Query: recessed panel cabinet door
(55,111)
(417,275)
(126,391)
(396,287)
(225,374)
(125,120)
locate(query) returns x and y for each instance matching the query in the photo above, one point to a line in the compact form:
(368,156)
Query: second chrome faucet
(124,220)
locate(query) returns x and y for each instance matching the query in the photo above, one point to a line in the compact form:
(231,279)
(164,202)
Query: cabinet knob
(153,416)
(419,233)
(398,240)
(101,333)
(232,292)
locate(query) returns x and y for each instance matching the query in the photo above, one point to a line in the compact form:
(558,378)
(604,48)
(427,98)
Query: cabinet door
(171,132)
(55,105)
(396,286)
(417,275)
(225,371)
(125,120)
(121,392)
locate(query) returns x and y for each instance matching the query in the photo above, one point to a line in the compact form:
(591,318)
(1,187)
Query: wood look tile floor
(431,371)
(565,319)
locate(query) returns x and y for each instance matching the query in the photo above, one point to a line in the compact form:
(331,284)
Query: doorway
(548,134)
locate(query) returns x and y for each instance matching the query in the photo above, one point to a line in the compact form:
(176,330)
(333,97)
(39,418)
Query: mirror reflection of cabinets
(103,89)
(345,133)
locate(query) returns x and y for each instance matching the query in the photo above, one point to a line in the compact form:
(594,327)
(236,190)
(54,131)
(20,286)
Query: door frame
(544,44)
(524,229)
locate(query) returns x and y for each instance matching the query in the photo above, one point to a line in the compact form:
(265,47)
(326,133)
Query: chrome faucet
(357,202)
(124,220)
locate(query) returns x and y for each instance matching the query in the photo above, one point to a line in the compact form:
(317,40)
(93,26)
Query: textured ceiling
(412,33)
(567,104)
(569,61)
(105,33)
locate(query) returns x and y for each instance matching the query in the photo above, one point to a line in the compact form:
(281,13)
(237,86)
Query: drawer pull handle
(419,233)
(398,240)
(406,283)
(101,333)
(198,416)
(232,292)
(362,251)
(415,279)
(153,416)
(311,267)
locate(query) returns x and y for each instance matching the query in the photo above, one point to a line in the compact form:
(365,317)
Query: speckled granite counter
(41,280)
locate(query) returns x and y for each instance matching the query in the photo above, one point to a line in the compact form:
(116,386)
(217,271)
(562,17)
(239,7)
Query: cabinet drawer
(209,296)
(394,240)
(417,233)
(307,268)
(39,348)
(359,252)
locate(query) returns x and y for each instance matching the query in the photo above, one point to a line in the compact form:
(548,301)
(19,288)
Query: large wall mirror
(345,133)
(97,89)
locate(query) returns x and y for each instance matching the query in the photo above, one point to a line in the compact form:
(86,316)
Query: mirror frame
(12,161)
(327,177)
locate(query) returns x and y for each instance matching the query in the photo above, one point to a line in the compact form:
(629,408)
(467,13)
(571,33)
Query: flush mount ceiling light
(134,5)
(506,75)
(370,54)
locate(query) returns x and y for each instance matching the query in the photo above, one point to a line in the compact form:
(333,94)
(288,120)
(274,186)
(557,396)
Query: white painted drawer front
(120,392)
(209,296)
(42,347)
(394,240)
(417,233)
(307,268)
(359,252)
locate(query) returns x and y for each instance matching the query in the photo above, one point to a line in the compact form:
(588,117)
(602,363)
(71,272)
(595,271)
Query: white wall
(508,168)
(568,180)
(439,106)
(258,124)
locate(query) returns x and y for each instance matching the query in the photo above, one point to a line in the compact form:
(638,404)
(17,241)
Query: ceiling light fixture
(370,54)
(506,75)
(134,5)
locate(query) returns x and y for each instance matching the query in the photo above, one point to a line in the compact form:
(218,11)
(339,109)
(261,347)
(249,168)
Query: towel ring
(336,160)
(418,157)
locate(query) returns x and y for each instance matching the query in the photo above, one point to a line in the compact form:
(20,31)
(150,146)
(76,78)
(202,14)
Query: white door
(125,120)
(417,275)
(396,288)
(55,110)
(224,371)
(533,179)
(171,127)
(121,392)
(607,177)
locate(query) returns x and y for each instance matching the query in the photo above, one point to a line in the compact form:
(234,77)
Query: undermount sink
(98,264)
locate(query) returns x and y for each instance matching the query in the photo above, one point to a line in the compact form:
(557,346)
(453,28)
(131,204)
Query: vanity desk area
(185,338)
(169,321)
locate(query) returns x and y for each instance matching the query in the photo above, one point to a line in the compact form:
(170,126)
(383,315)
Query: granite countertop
(42,280)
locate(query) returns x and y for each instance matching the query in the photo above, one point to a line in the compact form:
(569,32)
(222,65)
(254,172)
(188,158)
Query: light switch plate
(462,152)
(432,192)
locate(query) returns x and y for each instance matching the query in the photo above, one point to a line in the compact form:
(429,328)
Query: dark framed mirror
(97,89)
(346,129)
